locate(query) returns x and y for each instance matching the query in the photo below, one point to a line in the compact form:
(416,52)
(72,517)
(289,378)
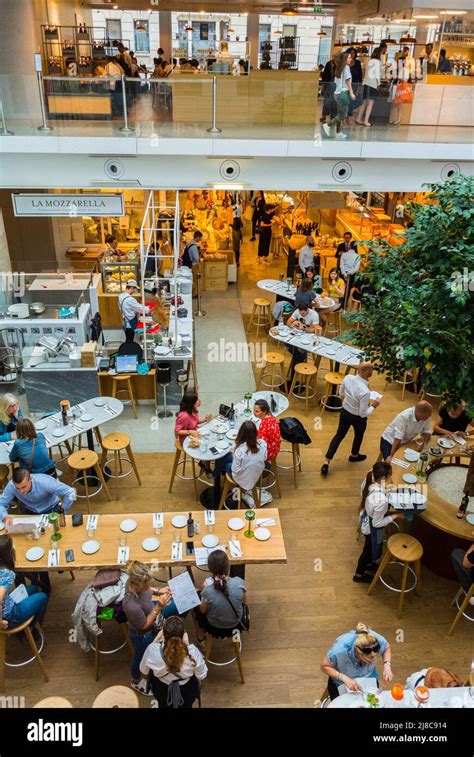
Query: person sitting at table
(177,666)
(142,613)
(30,450)
(11,414)
(336,289)
(306,256)
(374,515)
(36,493)
(14,613)
(187,422)
(433,678)
(453,421)
(305,295)
(354,655)
(130,347)
(249,461)
(463,564)
(405,427)
(269,428)
(306,321)
(222,600)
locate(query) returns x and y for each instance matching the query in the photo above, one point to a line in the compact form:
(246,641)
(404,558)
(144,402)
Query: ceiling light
(407,38)
(425,15)
(289,10)
(452,13)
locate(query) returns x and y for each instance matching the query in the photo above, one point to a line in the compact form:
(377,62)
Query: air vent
(342,171)
(449,171)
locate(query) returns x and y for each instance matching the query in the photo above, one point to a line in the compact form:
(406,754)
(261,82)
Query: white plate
(470,519)
(210,540)
(305,340)
(40,426)
(179,521)
(418,499)
(34,553)
(59,432)
(235,524)
(446,443)
(98,402)
(411,455)
(222,445)
(409,478)
(232,434)
(219,428)
(90,547)
(128,525)
(262,534)
(161,350)
(86,418)
(331,352)
(150,544)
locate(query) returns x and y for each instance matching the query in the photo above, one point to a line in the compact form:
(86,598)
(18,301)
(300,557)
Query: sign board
(72,205)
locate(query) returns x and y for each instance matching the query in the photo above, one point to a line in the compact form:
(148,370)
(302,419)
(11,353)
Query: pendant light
(289,10)
(407,38)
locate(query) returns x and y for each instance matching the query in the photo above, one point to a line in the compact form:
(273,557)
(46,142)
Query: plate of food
(218,427)
(436,451)
(232,434)
(194,442)
(446,443)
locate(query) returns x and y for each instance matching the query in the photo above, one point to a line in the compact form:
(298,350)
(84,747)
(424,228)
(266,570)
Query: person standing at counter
(11,414)
(444,65)
(306,256)
(258,205)
(115,72)
(343,94)
(356,73)
(112,250)
(190,257)
(30,450)
(130,308)
(265,233)
(372,79)
(428,60)
(346,245)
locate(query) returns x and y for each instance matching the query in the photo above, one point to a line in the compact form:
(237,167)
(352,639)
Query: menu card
(183,592)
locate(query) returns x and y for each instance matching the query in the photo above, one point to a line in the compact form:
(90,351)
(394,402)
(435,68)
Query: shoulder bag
(245,619)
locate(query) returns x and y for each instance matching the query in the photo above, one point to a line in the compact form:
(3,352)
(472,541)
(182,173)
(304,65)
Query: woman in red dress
(269,428)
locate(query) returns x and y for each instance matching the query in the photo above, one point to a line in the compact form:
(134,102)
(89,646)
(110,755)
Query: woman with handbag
(30,450)
(223,605)
(174,667)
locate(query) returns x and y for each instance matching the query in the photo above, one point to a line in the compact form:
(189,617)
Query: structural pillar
(253,20)
(166,35)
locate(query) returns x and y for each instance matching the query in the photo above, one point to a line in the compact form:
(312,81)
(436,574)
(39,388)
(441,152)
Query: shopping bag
(403,94)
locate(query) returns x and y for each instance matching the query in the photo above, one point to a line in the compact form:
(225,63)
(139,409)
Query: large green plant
(421,314)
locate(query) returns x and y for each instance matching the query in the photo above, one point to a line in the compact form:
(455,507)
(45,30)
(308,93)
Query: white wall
(237,21)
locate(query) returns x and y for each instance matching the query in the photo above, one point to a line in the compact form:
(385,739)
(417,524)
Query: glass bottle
(190,526)
(62,515)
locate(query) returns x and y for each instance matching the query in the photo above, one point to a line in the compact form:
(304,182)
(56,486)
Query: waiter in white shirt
(130,308)
(405,427)
(349,265)
(354,413)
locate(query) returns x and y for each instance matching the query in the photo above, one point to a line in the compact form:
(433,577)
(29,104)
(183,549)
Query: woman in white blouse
(343,94)
(371,84)
(176,666)
(249,456)
(375,515)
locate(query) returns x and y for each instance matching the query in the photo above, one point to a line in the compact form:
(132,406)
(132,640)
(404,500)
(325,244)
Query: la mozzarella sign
(72,205)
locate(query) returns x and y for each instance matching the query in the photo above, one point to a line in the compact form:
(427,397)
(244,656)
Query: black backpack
(186,256)
(293,431)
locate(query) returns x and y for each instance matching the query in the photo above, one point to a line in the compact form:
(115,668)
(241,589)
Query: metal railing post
(198,313)
(4,131)
(214,129)
(125,127)
(44,126)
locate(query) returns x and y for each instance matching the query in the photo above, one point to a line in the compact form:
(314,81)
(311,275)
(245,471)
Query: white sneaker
(326,130)
(141,687)
(248,499)
(471,601)
(340,135)
(265,498)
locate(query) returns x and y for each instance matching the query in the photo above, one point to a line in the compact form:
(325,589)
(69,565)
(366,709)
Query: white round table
(280,288)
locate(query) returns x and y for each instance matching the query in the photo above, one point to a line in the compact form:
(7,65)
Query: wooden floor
(297,610)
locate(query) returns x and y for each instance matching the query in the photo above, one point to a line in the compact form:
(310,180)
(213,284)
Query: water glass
(90,533)
(122,540)
(177,537)
(210,527)
(197,527)
(36,534)
(157,531)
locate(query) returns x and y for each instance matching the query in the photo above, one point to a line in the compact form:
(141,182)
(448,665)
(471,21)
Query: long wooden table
(108,532)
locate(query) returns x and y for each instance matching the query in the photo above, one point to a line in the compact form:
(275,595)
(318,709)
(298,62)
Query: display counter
(443,100)
(69,105)
(364,226)
(270,97)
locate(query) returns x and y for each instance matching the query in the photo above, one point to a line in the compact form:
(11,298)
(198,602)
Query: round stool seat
(83,459)
(405,548)
(121,377)
(16,629)
(305,369)
(261,302)
(116,696)
(116,441)
(274,358)
(336,379)
(53,702)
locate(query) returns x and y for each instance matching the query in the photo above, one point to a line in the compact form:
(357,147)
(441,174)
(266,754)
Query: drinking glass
(157,531)
(197,527)
(122,540)
(210,527)
(90,533)
(177,537)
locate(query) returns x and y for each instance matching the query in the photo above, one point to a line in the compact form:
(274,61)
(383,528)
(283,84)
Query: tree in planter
(420,315)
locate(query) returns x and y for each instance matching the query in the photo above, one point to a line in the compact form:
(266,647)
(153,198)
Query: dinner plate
(40,426)
(86,418)
(179,521)
(99,402)
(446,443)
(235,524)
(150,544)
(90,547)
(128,525)
(232,434)
(331,352)
(210,540)
(412,455)
(222,445)
(219,428)
(470,519)
(34,553)
(305,340)
(59,432)
(409,478)
(435,451)
(262,534)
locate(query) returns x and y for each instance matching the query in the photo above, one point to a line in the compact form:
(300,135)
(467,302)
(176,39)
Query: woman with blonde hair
(30,450)
(9,417)
(142,611)
(354,655)
(176,666)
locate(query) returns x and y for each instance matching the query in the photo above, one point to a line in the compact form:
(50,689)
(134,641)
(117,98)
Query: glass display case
(115,275)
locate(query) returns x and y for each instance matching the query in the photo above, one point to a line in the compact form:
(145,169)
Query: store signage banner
(72,205)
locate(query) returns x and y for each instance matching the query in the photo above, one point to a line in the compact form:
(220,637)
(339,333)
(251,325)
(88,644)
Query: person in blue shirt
(13,613)
(36,493)
(354,655)
(30,449)
(10,415)
(444,65)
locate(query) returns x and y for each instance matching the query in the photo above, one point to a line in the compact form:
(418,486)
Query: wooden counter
(64,105)
(443,101)
(144,385)
(273,97)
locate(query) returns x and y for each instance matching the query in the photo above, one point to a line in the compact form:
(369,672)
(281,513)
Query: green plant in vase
(53,519)
(372,700)
(247,398)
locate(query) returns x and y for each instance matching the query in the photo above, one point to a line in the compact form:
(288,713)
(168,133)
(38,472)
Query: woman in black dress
(265,236)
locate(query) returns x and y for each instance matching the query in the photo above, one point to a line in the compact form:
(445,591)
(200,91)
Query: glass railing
(290,105)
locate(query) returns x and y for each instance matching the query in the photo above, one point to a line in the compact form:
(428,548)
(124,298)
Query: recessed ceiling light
(425,15)
(452,13)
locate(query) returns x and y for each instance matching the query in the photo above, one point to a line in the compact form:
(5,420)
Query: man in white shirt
(306,256)
(130,308)
(354,413)
(349,265)
(405,427)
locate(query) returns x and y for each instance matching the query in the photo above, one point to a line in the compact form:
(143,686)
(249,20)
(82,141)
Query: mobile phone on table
(69,555)
(214,450)
(189,548)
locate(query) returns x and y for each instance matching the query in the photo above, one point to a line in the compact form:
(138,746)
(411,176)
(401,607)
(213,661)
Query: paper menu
(183,592)
(375,396)
(202,554)
(19,594)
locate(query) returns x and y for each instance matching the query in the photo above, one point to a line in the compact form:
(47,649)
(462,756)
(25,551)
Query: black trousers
(346,421)
(365,558)
(255,217)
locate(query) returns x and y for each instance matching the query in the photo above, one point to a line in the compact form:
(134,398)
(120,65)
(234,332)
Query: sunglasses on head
(374,648)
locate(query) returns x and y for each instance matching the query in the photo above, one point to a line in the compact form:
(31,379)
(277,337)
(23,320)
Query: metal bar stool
(116,443)
(333,382)
(83,461)
(294,451)
(5,634)
(230,484)
(261,315)
(177,462)
(128,388)
(272,471)
(305,375)
(191,371)
(98,651)
(163,379)
(468,595)
(274,362)
(404,549)
(237,650)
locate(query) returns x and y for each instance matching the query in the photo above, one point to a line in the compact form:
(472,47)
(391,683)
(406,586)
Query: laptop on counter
(126,363)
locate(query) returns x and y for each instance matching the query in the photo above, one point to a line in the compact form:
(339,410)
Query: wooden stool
(273,471)
(273,360)
(461,609)
(98,651)
(296,460)
(333,382)
(4,471)
(305,375)
(52,703)
(5,634)
(230,484)
(82,461)
(333,323)
(177,462)
(116,443)
(237,649)
(116,696)
(117,388)
(261,315)
(404,549)
(191,371)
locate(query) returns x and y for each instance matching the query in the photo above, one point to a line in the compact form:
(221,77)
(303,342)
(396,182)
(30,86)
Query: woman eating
(14,613)
(222,600)
(30,450)
(11,414)
(249,457)
(336,289)
(187,422)
(354,655)
(453,421)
